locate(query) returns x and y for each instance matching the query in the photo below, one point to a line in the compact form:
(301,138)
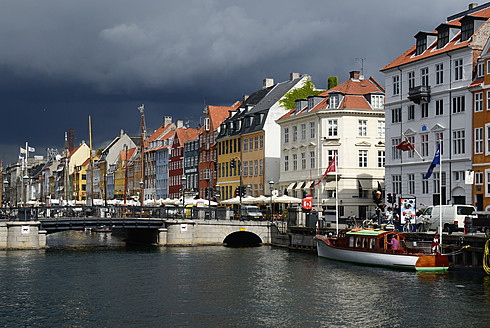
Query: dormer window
(470,24)
(377,101)
(333,101)
(442,38)
(421,46)
(311,103)
(480,69)
(424,39)
(467,30)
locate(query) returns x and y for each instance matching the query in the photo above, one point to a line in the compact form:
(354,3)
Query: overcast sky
(61,61)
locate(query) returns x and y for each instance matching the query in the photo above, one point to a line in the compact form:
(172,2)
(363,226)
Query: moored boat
(378,248)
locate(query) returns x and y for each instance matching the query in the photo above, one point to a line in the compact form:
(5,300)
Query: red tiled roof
(157,135)
(218,114)
(354,102)
(186,134)
(476,82)
(408,56)
(356,87)
(130,153)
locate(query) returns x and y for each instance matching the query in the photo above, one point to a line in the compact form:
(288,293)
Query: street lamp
(271,185)
(184,179)
(5,184)
(26,180)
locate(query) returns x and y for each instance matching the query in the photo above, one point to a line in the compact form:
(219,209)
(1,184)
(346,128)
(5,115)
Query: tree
(289,99)
(332,82)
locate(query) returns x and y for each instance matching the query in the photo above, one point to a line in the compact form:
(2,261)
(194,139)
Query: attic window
(467,30)
(442,38)
(334,101)
(421,45)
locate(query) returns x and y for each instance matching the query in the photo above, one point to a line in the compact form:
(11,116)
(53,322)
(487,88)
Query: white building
(348,120)
(427,98)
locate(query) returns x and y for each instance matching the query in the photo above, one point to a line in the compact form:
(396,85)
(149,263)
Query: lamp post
(184,179)
(26,180)
(142,184)
(5,183)
(271,186)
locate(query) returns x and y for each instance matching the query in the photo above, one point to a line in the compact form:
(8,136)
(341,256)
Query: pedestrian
(435,244)
(394,244)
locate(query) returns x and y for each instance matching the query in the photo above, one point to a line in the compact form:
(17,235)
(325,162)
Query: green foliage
(332,82)
(289,99)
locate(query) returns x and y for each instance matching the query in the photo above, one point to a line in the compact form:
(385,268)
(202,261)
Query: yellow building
(120,173)
(79,178)
(229,158)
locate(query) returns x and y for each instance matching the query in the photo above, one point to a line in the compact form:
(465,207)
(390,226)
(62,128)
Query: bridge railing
(173,212)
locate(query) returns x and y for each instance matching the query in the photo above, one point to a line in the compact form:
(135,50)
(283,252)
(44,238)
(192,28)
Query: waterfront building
(176,162)
(347,121)
(208,153)
(153,147)
(191,162)
(249,140)
(120,176)
(480,172)
(80,181)
(427,101)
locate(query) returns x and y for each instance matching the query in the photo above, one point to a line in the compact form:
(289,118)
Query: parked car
(452,216)
(250,212)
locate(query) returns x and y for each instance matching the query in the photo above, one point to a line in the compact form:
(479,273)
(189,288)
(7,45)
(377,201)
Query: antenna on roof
(362,64)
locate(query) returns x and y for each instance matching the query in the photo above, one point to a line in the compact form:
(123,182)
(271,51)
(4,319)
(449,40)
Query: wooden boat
(372,247)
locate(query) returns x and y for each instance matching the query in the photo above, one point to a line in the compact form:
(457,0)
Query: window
(396,183)
(331,154)
(245,169)
(245,143)
(458,69)
(424,110)
(303,131)
(381,129)
(411,153)
(478,140)
(396,115)
(459,175)
(421,45)
(439,108)
(458,142)
(251,143)
(377,101)
(439,73)
(479,178)
(396,85)
(333,101)
(362,128)
(442,38)
(488,98)
(381,158)
(261,141)
(425,185)
(256,167)
(363,158)
(411,112)
(424,140)
(458,104)
(261,167)
(332,128)
(312,159)
(424,76)
(312,130)
(286,163)
(411,183)
(487,130)
(286,137)
(256,139)
(303,161)
(395,153)
(295,133)
(467,30)
(480,69)
(295,162)
(411,80)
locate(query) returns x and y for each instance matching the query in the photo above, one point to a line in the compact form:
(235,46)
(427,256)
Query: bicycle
(423,225)
(408,226)
(351,222)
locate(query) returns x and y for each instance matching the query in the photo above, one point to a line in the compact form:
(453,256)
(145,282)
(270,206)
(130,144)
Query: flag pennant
(405,145)
(22,150)
(435,161)
(31,150)
(332,167)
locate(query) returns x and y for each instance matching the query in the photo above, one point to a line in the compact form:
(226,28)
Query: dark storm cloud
(61,61)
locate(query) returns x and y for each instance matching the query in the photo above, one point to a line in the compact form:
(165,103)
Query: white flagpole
(336,196)
(440,193)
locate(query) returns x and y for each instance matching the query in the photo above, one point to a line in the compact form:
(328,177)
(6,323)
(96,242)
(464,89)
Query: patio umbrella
(284,199)
(232,201)
(249,200)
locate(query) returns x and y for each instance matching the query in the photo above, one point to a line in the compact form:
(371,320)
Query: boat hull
(399,261)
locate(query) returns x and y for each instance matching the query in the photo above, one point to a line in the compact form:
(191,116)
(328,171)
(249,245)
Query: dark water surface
(118,286)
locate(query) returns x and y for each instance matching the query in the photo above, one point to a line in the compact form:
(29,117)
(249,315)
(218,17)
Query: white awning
(299,185)
(308,185)
(365,184)
(291,185)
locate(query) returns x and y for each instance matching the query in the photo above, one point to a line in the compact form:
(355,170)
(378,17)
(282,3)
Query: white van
(452,216)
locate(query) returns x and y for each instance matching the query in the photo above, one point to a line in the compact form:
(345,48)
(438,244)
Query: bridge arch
(242,239)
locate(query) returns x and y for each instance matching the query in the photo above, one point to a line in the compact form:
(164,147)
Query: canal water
(93,280)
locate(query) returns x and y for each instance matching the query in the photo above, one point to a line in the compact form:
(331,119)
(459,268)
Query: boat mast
(91,163)
(142,181)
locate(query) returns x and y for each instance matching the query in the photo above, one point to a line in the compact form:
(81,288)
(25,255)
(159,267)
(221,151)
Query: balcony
(419,94)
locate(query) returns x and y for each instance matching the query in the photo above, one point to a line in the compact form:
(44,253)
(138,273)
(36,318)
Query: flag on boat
(405,145)
(22,150)
(31,150)
(331,168)
(435,161)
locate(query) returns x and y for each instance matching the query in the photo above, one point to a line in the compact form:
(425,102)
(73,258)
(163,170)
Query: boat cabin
(370,240)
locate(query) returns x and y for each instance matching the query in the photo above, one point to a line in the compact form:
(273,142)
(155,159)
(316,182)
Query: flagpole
(440,194)
(336,198)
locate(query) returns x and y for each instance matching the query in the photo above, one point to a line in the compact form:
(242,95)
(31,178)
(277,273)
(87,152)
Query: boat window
(402,243)
(358,242)
(351,241)
(372,243)
(364,243)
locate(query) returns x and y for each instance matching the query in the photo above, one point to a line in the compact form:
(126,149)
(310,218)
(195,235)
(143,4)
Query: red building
(176,162)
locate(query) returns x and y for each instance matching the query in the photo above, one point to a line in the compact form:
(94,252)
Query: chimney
(180,124)
(293,76)
(268,82)
(354,75)
(71,135)
(472,5)
(167,120)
